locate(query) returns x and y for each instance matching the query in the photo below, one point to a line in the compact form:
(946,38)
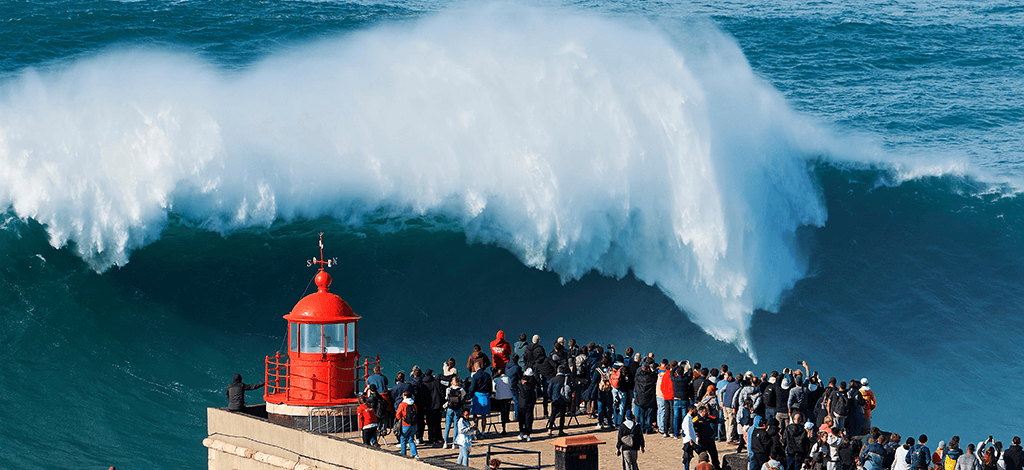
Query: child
(367,422)
(464,437)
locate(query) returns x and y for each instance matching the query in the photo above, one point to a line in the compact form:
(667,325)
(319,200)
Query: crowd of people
(792,419)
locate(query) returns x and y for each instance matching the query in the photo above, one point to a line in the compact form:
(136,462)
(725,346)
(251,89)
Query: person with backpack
(381,405)
(561,395)
(408,416)
(838,404)
(872,455)
(464,437)
(454,398)
(618,378)
(629,440)
(602,377)
(900,458)
(952,453)
(919,456)
(796,442)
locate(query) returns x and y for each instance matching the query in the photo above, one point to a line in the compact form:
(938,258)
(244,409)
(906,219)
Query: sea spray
(577,143)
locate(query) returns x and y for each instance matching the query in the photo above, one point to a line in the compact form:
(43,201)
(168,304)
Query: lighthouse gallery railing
(279,368)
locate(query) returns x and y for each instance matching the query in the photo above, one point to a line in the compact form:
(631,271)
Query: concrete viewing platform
(239,441)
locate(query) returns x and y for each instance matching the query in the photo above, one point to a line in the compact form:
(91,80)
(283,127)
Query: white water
(577,143)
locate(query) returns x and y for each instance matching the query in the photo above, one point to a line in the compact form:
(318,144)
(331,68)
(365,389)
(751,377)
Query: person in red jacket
(500,351)
(367,422)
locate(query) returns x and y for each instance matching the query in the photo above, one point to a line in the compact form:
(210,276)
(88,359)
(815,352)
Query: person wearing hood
(759,443)
(952,453)
(629,441)
(236,393)
(477,357)
(501,351)
(421,395)
(407,414)
(527,400)
(435,399)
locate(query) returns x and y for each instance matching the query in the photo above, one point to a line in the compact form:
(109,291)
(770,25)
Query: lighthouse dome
(322,306)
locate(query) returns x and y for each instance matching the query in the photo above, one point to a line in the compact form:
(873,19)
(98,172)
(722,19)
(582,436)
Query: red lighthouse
(321,372)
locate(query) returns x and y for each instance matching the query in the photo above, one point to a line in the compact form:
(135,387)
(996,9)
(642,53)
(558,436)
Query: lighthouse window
(310,339)
(350,330)
(294,333)
(334,338)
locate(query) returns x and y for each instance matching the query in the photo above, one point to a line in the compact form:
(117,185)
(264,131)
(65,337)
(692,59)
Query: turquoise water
(724,182)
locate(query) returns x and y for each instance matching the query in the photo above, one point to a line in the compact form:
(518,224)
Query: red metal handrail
(278,374)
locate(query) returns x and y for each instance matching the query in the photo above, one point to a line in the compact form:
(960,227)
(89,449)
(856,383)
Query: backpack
(799,398)
(454,400)
(615,377)
(410,415)
(606,384)
(918,456)
(566,392)
(839,407)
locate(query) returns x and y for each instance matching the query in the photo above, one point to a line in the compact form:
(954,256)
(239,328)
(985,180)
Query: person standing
(477,358)
(629,441)
(464,438)
(367,422)
(968,461)
(435,392)
(869,401)
(1013,456)
(704,426)
(559,404)
(501,351)
(502,396)
(407,415)
(236,393)
(453,405)
(527,401)
(796,442)
(480,388)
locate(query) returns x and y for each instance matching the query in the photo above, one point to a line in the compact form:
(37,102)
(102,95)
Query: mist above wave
(578,143)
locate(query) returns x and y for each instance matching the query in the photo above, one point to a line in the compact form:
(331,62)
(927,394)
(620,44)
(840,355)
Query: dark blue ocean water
(722,182)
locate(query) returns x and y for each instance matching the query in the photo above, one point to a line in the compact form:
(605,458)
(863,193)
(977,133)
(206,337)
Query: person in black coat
(704,426)
(1014,455)
(527,400)
(644,397)
(236,393)
(434,398)
(629,441)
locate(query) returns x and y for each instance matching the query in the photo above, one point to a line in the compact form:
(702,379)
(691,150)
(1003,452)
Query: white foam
(577,143)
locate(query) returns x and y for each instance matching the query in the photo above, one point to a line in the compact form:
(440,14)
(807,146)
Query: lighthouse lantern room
(321,369)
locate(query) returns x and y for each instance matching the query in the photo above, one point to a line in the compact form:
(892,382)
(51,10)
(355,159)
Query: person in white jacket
(689,436)
(464,437)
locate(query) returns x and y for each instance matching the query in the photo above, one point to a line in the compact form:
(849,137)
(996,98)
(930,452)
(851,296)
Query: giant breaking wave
(577,143)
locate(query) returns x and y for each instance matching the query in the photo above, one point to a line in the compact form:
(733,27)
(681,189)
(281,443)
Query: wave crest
(578,143)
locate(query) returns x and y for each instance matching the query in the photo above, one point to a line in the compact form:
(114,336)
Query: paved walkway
(661,453)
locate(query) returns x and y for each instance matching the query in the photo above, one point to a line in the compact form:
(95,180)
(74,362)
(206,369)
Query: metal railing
(343,420)
(511,451)
(278,375)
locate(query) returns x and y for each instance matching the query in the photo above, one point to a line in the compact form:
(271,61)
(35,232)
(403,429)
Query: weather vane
(322,262)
